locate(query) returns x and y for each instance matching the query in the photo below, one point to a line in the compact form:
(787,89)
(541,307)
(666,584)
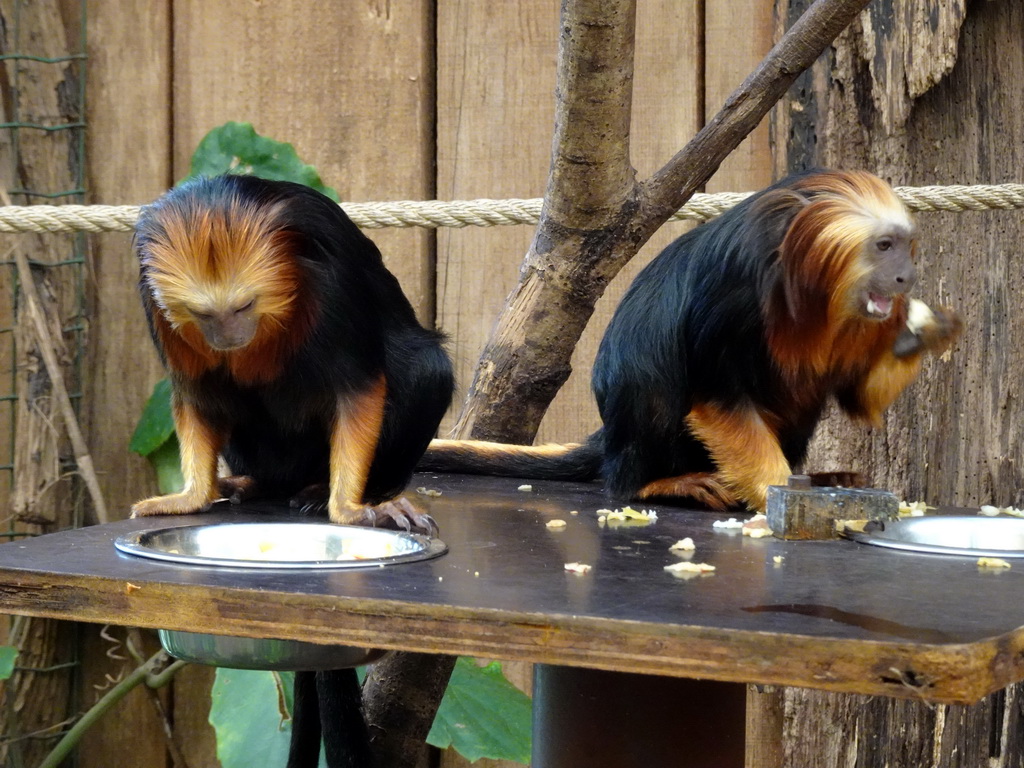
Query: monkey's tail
(328,705)
(553,461)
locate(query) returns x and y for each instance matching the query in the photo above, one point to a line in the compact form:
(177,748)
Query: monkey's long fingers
(311,499)
(400,514)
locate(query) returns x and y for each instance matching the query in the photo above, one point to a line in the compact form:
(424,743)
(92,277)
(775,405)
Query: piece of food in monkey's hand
(927,329)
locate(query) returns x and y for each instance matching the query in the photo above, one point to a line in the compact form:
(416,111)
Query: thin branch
(157,671)
(83,458)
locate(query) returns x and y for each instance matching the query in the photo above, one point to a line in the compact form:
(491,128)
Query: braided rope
(484,213)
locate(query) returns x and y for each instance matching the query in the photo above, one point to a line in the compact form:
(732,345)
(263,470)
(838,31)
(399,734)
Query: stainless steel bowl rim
(143,543)
(893,534)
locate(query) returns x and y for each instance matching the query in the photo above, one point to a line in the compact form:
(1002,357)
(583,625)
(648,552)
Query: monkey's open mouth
(877,305)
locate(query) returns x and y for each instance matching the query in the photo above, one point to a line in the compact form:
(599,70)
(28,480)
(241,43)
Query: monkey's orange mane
(206,255)
(819,330)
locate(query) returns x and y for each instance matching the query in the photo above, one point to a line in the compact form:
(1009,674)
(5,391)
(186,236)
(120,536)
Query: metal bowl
(292,544)
(947,535)
(263,653)
(280,545)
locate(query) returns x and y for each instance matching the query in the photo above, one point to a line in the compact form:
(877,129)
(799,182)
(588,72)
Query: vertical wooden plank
(128,161)
(349,84)
(495,113)
(738,34)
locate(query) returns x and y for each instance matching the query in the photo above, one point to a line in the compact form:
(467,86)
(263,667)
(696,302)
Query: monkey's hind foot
(703,487)
(398,514)
(237,488)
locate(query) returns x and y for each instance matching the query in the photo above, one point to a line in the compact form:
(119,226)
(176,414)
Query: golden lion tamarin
(719,361)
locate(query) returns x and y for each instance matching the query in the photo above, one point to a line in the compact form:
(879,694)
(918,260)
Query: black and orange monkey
(294,354)
(291,349)
(717,365)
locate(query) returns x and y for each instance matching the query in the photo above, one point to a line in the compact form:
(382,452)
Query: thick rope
(484,213)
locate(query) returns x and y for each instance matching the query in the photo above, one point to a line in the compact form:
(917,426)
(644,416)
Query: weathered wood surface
(827,617)
(892,100)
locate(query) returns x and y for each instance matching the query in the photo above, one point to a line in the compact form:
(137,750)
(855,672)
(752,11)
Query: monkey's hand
(928,330)
(184,503)
(237,488)
(398,514)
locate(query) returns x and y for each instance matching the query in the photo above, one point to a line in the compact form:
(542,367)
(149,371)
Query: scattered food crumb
(756,527)
(574,512)
(991,511)
(129,587)
(683,545)
(626,516)
(857,526)
(422,491)
(577,567)
(992,562)
(913,508)
(476,573)
(778,559)
(440,578)
(686,567)
(556,524)
(525,488)
(732,522)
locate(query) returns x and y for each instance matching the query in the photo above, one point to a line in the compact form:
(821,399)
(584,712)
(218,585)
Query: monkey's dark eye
(885,244)
(246,307)
(202,315)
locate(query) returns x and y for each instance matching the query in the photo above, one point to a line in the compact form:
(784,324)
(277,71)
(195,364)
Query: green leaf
(156,424)
(8,654)
(237,148)
(166,461)
(483,715)
(250,710)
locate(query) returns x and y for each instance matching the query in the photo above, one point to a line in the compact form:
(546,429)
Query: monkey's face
(229,327)
(887,261)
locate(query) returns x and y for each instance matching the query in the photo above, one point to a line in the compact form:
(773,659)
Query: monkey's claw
(399,514)
(311,499)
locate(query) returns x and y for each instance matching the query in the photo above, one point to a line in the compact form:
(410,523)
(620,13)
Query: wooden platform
(836,615)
